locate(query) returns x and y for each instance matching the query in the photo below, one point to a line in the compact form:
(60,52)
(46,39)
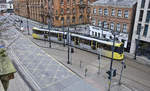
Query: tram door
(60,36)
(93,45)
(76,41)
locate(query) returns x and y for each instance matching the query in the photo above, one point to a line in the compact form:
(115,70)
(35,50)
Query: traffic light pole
(111,63)
(123,66)
(68,47)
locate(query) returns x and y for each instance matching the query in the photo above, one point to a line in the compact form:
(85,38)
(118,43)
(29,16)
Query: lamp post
(68,40)
(49,19)
(111,70)
(137,41)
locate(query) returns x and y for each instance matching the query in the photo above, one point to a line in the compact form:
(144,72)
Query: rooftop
(115,3)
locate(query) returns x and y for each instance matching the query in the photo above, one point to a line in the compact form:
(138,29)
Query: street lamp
(137,41)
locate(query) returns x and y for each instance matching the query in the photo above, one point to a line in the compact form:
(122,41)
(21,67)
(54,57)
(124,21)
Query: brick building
(72,11)
(37,9)
(116,15)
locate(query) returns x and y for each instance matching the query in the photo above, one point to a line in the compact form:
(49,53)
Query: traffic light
(109,73)
(114,73)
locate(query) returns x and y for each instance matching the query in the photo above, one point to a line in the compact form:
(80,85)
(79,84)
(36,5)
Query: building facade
(2,1)
(4,5)
(65,12)
(114,15)
(141,30)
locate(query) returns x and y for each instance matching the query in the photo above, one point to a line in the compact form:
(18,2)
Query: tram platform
(42,71)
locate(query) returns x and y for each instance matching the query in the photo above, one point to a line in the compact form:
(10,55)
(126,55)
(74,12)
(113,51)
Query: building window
(61,2)
(68,1)
(141,15)
(118,27)
(145,30)
(94,11)
(74,2)
(56,17)
(68,20)
(112,12)
(106,12)
(93,21)
(124,28)
(149,5)
(73,19)
(81,10)
(99,23)
(68,10)
(88,10)
(105,25)
(89,1)
(96,34)
(142,3)
(148,17)
(62,20)
(81,19)
(62,11)
(119,13)
(92,33)
(56,12)
(126,14)
(73,11)
(100,11)
(138,28)
(112,26)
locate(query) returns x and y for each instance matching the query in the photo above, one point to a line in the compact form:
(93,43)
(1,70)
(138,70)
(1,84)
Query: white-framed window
(95,34)
(118,27)
(100,11)
(105,25)
(124,28)
(92,33)
(126,14)
(112,12)
(93,21)
(106,12)
(99,23)
(119,13)
(112,26)
(94,11)
(98,35)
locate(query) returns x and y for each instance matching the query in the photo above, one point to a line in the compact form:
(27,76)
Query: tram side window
(119,49)
(38,32)
(107,47)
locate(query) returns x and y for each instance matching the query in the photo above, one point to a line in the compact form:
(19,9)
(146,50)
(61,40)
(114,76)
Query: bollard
(80,64)
(72,50)
(86,71)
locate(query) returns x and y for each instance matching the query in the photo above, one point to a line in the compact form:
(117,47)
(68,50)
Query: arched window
(81,19)
(62,20)
(62,11)
(73,19)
